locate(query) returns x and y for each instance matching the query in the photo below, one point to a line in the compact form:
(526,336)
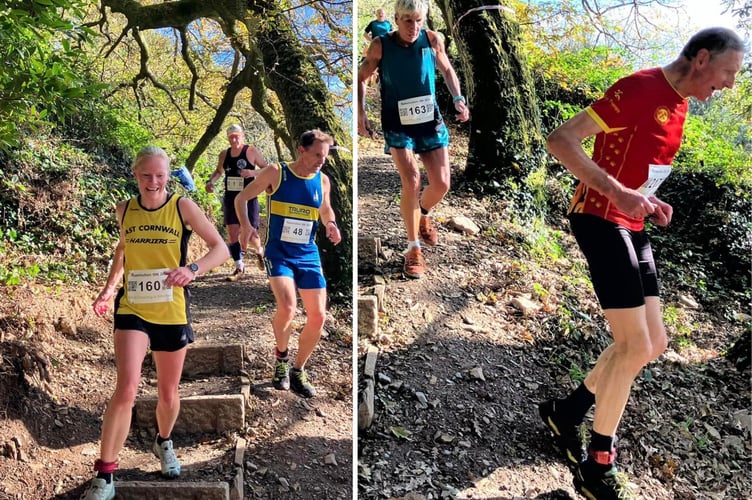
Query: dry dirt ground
(57,373)
(460,370)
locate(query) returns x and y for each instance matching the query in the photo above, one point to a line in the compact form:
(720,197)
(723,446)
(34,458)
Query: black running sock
(235,251)
(107,476)
(574,407)
(282,356)
(423,211)
(161,440)
(600,442)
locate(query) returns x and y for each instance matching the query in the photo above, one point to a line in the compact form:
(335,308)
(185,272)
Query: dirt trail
(295,448)
(460,369)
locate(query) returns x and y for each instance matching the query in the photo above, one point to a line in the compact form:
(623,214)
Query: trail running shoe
(415,264)
(260,259)
(281,379)
(236,275)
(592,482)
(168,460)
(427,231)
(99,489)
(299,383)
(567,438)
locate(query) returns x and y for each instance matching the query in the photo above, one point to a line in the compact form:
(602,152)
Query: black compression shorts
(621,262)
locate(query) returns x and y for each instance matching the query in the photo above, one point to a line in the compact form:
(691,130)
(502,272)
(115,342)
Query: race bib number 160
(148,286)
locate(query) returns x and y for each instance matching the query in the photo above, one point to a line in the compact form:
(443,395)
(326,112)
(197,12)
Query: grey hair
(714,40)
(234,129)
(408,7)
(150,152)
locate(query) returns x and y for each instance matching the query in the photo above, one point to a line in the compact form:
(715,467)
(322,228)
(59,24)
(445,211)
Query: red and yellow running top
(642,117)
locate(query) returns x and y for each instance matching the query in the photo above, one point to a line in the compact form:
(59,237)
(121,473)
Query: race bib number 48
(416,110)
(296,231)
(148,286)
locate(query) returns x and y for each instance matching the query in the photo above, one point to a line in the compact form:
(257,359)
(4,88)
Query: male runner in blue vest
(406,59)
(297,199)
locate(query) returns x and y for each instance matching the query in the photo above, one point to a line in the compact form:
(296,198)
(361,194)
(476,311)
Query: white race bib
(656,175)
(416,110)
(296,231)
(235,183)
(148,286)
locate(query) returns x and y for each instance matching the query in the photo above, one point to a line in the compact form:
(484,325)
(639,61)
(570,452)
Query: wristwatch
(193,267)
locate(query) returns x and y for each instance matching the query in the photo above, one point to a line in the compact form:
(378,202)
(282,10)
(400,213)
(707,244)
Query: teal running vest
(293,209)
(377,28)
(408,87)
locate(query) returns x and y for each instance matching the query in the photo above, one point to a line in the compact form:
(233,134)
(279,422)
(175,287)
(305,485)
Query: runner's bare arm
(266,180)
(218,252)
(450,76)
(101,303)
(565,143)
(326,212)
(218,172)
(254,156)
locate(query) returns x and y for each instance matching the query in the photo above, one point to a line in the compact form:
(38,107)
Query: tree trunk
(505,139)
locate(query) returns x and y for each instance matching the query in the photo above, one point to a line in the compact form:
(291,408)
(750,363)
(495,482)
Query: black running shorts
(168,338)
(621,262)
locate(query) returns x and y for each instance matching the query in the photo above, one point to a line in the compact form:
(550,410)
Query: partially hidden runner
(238,164)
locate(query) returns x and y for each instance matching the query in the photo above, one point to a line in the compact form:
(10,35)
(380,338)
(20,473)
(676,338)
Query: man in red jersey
(638,127)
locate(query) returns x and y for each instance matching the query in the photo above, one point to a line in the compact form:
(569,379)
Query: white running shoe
(99,489)
(167,458)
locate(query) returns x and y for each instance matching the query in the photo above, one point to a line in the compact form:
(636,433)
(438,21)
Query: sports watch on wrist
(193,267)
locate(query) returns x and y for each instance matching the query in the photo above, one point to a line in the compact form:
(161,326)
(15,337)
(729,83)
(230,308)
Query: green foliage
(707,247)
(41,79)
(717,143)
(60,223)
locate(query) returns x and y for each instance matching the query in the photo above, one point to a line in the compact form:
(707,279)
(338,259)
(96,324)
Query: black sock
(282,356)
(600,442)
(235,251)
(107,476)
(423,211)
(161,440)
(574,407)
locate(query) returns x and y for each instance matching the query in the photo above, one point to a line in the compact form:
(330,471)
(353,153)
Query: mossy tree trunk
(506,144)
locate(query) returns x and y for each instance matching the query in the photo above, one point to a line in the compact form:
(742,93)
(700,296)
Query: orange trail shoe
(427,231)
(415,264)
(235,276)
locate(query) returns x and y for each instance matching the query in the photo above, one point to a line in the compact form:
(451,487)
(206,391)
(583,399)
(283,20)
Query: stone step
(208,359)
(138,478)
(200,413)
(173,490)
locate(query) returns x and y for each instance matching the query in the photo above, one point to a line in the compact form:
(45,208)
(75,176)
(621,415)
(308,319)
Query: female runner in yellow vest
(152,307)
